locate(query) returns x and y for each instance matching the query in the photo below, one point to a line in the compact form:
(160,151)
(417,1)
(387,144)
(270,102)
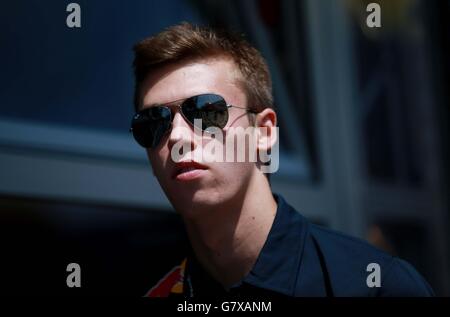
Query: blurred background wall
(363,116)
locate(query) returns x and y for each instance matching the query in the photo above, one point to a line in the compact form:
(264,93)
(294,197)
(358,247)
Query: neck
(228,242)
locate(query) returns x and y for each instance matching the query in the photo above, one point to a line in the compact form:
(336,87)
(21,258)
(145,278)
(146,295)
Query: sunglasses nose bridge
(181,124)
(177,115)
(181,132)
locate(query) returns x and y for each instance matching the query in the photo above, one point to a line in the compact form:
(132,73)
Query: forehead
(185,79)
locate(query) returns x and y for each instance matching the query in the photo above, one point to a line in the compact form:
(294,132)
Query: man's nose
(182,134)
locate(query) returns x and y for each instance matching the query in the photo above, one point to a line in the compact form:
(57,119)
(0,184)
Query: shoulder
(351,263)
(403,280)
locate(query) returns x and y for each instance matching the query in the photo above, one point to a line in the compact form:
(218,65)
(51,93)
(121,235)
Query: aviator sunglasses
(152,123)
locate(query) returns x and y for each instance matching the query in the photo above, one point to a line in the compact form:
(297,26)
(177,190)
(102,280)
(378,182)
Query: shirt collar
(279,261)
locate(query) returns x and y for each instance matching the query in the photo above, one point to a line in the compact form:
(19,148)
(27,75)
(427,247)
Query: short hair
(189,42)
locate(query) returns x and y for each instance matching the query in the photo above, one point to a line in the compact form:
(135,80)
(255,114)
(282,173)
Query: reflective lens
(150,125)
(211,109)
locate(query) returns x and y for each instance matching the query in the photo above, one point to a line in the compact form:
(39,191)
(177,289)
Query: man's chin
(191,204)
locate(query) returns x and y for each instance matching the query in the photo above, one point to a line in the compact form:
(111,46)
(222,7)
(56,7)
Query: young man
(244,239)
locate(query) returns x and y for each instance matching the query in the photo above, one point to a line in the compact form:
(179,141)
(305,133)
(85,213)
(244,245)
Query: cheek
(232,175)
(152,158)
(157,160)
(230,179)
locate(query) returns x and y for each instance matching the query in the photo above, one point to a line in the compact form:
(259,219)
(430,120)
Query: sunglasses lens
(211,109)
(150,125)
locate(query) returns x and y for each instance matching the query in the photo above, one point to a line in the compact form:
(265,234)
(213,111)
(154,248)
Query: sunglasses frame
(180,102)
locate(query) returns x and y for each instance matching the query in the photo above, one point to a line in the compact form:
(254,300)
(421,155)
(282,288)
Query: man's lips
(187,170)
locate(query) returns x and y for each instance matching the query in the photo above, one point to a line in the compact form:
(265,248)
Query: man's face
(213,183)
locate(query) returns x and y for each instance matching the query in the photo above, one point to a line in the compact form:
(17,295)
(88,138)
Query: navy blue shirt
(303,259)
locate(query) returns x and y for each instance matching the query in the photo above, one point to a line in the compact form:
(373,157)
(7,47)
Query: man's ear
(265,123)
